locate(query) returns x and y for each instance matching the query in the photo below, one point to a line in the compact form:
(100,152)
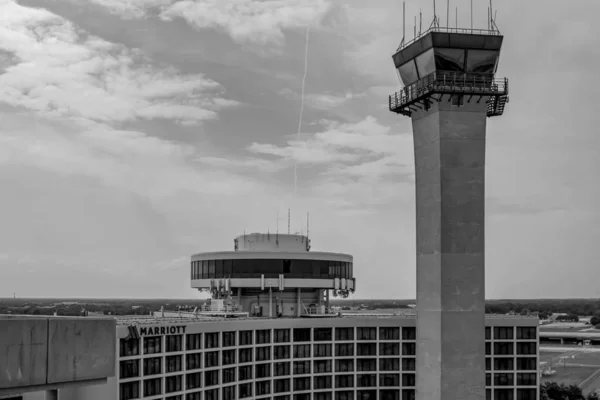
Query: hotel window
(281,352)
(301,350)
(526,363)
(228,375)
(263,336)
(281,385)
(488,348)
(245,390)
(211,340)
(173,384)
(344,365)
(152,387)
(211,394)
(488,363)
(263,371)
(389,380)
(322,366)
(193,341)
(366,394)
(228,339)
(283,397)
(344,333)
(229,393)
(503,394)
(389,394)
(409,349)
(173,343)
(193,380)
(282,335)
(526,394)
(322,350)
(366,349)
(344,350)
(245,373)
(323,396)
(193,361)
(152,366)
(389,349)
(366,364)
(211,378)
(408,394)
(228,357)
(152,345)
(173,363)
(323,382)
(527,348)
(301,367)
(129,390)
(503,379)
(245,355)
(245,338)
(408,379)
(366,334)
(176,397)
(211,359)
(263,353)
(409,333)
(488,394)
(488,333)
(301,384)
(299,396)
(389,333)
(389,364)
(488,379)
(129,369)
(344,381)
(503,348)
(366,380)
(263,388)
(503,333)
(322,334)
(409,364)
(344,395)
(302,335)
(527,333)
(129,347)
(526,379)
(282,368)
(504,364)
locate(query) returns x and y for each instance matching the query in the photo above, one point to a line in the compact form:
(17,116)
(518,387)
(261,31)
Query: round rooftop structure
(267,265)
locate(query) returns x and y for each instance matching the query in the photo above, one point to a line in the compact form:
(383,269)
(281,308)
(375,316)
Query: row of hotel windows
(153,366)
(173,384)
(173,343)
(153,344)
(278,352)
(270,268)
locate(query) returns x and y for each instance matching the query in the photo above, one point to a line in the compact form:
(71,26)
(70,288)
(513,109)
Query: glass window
(482,61)
(366,380)
(322,366)
(282,335)
(425,63)
(344,365)
(344,333)
(408,380)
(152,366)
(193,341)
(344,381)
(129,369)
(366,334)
(409,364)
(153,344)
(245,373)
(526,379)
(302,335)
(228,375)
(263,371)
(408,73)
(503,364)
(503,332)
(322,334)
(129,390)
(389,333)
(129,347)
(526,363)
(245,390)
(211,378)
(263,336)
(409,333)
(228,357)
(245,338)
(228,339)
(282,368)
(193,361)
(152,387)
(389,380)
(389,349)
(389,364)
(174,343)
(527,333)
(173,384)
(503,379)
(174,363)
(366,364)
(449,60)
(281,352)
(263,388)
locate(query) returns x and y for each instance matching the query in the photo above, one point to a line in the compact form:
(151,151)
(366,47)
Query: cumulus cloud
(53,67)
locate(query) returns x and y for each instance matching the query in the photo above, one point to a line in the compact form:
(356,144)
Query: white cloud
(58,70)
(323,101)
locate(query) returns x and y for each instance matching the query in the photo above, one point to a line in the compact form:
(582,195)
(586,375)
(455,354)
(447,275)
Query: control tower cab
(273,275)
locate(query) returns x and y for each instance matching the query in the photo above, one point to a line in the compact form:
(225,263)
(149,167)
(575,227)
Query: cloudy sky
(134,133)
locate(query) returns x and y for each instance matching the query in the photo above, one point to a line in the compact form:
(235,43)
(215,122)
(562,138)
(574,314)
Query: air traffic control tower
(449,91)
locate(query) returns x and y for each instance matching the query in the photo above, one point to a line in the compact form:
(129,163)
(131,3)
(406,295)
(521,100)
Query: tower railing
(467,31)
(451,83)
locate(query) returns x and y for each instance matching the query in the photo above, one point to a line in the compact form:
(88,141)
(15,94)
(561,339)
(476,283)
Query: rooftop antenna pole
(434,14)
(403,21)
(471,14)
(420,22)
(415,26)
(448,14)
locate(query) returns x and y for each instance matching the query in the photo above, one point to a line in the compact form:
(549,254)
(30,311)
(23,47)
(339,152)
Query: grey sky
(137,132)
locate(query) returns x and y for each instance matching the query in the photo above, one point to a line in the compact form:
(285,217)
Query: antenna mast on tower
(288,221)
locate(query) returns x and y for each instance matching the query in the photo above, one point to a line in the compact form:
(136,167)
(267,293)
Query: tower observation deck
(449,89)
(273,275)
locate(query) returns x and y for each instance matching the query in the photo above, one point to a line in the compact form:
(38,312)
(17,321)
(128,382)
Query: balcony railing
(452,83)
(493,32)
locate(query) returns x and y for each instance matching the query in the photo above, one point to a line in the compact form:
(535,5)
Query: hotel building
(268,333)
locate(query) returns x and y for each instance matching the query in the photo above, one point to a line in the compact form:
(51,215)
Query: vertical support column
(299,303)
(239,296)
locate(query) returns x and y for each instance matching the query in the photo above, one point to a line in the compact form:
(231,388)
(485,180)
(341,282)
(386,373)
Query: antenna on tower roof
(420,21)
(435,22)
(403,23)
(415,27)
(471,14)
(448,14)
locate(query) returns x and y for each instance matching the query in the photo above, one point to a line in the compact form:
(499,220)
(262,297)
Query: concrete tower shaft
(449,91)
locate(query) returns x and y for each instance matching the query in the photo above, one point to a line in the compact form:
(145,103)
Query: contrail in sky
(301,106)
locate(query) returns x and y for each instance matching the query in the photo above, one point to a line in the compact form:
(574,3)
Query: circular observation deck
(262,261)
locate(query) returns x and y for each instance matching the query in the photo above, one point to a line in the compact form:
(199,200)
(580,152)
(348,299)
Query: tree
(555,391)
(595,320)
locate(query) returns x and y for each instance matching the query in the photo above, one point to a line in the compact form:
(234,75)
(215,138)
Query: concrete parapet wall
(45,351)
